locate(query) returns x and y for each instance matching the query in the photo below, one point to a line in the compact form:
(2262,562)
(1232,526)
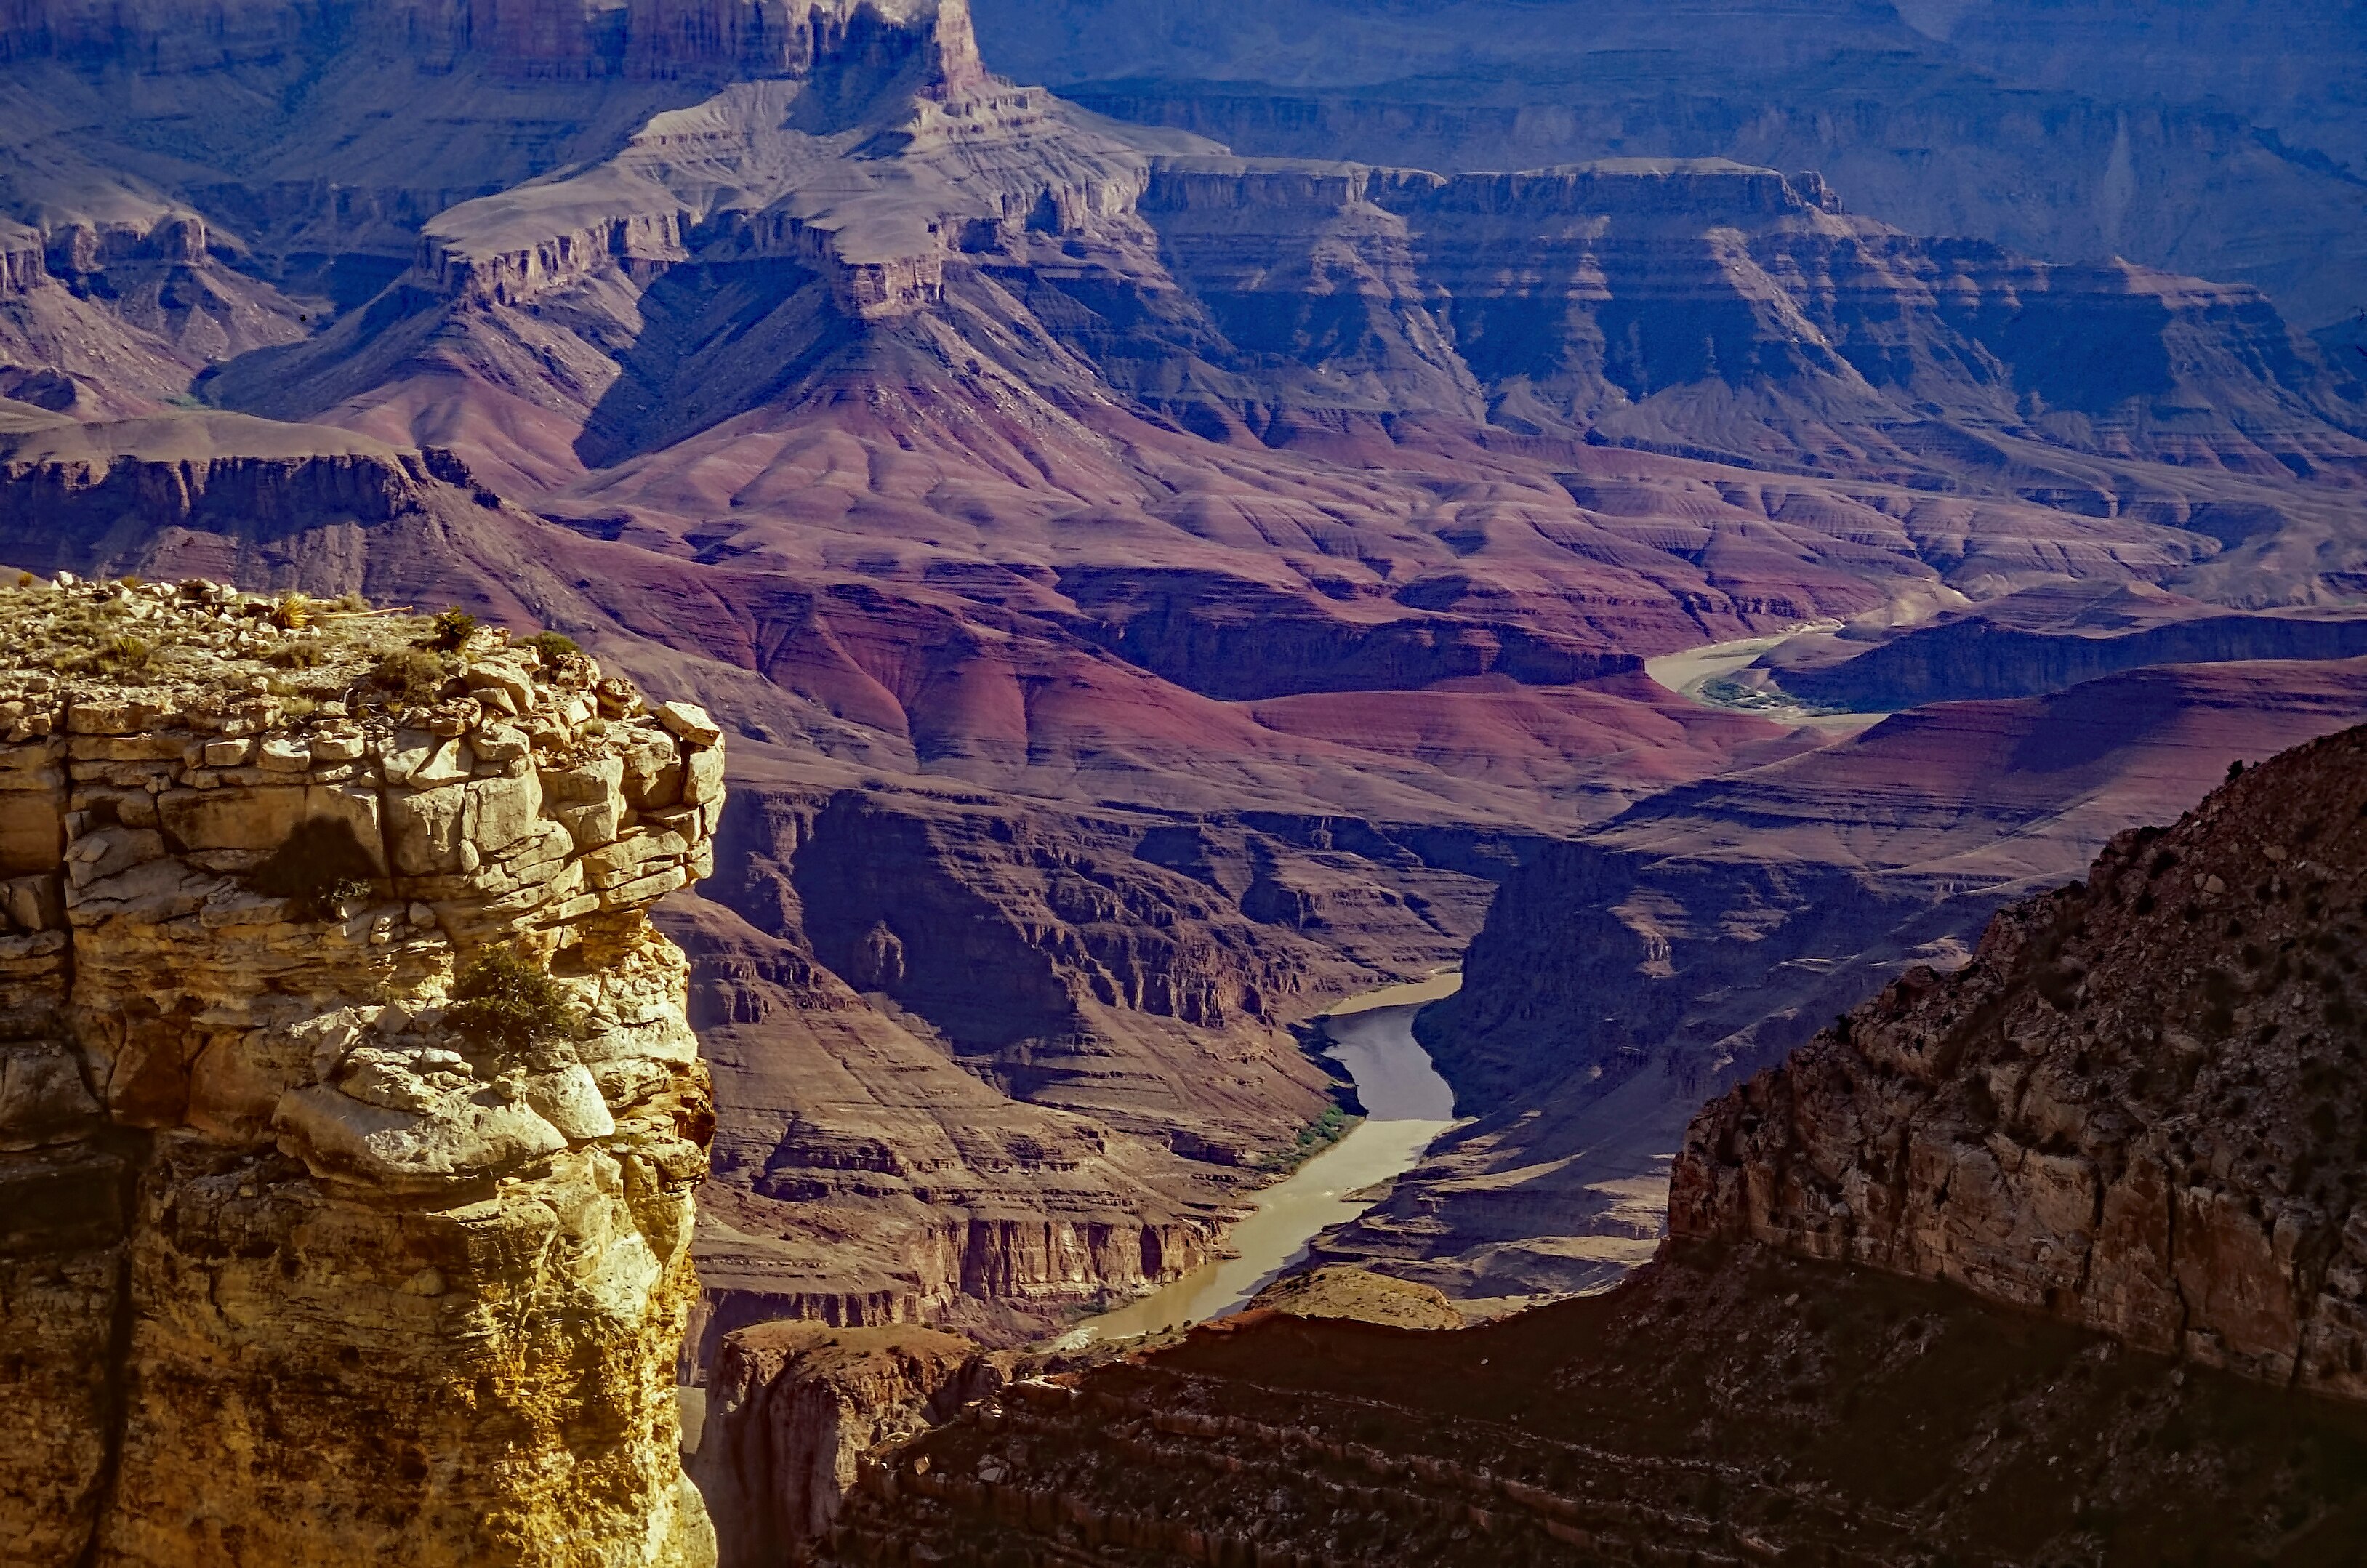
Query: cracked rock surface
(299,1264)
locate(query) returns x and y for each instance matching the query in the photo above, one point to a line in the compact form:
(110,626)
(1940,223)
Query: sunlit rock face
(301,1260)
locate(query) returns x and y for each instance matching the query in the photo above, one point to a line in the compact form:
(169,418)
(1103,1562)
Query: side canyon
(2051,1258)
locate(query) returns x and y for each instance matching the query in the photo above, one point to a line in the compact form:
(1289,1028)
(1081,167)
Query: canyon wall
(983,1064)
(2134,1110)
(650,39)
(1975,657)
(348,1112)
(796,1410)
(1895,1318)
(1152,592)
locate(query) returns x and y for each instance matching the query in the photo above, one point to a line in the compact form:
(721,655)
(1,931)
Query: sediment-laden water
(1407,1105)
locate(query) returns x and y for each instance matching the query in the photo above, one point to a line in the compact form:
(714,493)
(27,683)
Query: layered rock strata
(1975,657)
(303,1257)
(2131,1122)
(2137,1109)
(981,1065)
(1657,960)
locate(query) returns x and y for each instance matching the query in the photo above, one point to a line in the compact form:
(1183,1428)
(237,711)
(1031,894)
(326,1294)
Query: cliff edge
(350,1116)
(2139,1108)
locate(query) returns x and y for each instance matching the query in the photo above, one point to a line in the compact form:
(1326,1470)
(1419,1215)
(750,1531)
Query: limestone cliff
(350,1116)
(2139,1108)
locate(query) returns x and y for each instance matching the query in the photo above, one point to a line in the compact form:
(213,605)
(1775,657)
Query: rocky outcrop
(794,1410)
(1360,1296)
(63,491)
(348,1112)
(2133,1110)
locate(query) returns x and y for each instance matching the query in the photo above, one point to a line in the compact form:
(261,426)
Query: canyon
(2044,1259)
(2221,140)
(1155,590)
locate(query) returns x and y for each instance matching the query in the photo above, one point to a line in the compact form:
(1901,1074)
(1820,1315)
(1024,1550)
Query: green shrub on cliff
(552,646)
(413,676)
(506,998)
(450,630)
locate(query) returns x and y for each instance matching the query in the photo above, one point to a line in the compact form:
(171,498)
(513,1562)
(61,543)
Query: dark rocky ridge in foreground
(1728,1406)
(2137,1109)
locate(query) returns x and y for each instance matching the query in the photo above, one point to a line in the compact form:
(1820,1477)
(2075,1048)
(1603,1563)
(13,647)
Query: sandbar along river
(1407,1105)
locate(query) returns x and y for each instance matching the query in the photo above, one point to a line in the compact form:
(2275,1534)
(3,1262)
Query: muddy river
(1407,1104)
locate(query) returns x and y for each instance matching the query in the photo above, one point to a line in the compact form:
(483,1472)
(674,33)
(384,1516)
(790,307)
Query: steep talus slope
(2133,1109)
(1626,973)
(349,1117)
(2040,1261)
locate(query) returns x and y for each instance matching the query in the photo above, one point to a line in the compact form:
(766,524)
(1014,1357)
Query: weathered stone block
(34,903)
(502,811)
(262,819)
(652,771)
(702,778)
(691,722)
(589,799)
(427,831)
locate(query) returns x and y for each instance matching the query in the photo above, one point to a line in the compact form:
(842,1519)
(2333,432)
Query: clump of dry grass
(413,675)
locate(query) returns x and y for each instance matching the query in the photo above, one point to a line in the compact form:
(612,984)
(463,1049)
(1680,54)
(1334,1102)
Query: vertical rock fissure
(117,1411)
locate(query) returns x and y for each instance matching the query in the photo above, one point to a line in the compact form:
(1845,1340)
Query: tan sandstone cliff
(300,1261)
(2139,1109)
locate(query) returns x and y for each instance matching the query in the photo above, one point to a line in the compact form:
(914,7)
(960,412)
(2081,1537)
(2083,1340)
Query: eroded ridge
(2138,1108)
(350,1116)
